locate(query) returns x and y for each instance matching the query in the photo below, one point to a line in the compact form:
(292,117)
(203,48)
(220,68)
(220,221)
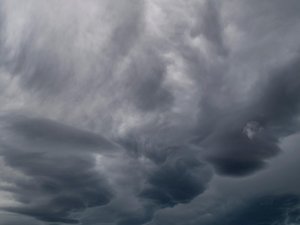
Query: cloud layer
(149,112)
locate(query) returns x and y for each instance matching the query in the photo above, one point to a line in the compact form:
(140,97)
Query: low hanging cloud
(43,135)
(281,209)
(242,142)
(151,104)
(59,175)
(179,178)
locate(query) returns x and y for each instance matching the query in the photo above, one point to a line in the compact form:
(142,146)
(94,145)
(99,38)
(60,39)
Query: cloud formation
(137,112)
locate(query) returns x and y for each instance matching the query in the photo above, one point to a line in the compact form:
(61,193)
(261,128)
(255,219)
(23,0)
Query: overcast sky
(149,112)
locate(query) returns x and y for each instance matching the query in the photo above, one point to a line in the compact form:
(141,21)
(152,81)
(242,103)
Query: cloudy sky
(149,112)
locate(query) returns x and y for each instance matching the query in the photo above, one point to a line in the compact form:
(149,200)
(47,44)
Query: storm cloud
(149,112)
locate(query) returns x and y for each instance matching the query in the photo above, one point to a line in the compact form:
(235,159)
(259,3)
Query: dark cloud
(17,219)
(233,152)
(59,180)
(178,179)
(43,133)
(281,209)
(137,219)
(240,144)
(160,111)
(147,75)
(56,186)
(280,102)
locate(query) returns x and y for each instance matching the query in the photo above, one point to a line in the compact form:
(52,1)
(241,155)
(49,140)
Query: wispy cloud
(147,112)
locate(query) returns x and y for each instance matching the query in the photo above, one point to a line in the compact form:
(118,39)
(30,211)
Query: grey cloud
(178,179)
(115,215)
(16,219)
(209,24)
(60,179)
(148,92)
(239,201)
(280,102)
(234,153)
(153,104)
(281,209)
(56,187)
(39,68)
(40,134)
(275,110)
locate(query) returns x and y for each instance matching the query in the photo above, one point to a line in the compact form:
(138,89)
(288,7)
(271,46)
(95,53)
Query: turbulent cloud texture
(154,112)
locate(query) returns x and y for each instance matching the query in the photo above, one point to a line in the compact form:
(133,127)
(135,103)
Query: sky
(149,112)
